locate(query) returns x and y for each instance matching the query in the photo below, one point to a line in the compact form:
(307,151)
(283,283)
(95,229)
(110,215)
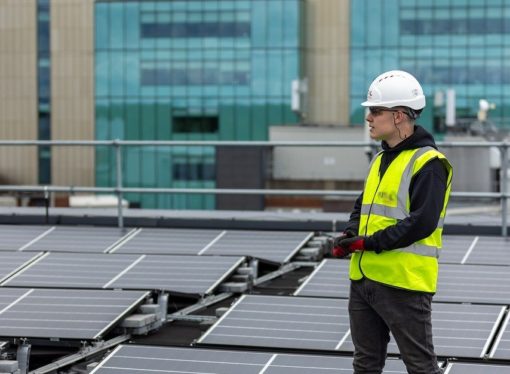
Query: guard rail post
(118,192)
(504,188)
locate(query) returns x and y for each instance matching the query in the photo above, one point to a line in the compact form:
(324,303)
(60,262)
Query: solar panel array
(272,246)
(470,310)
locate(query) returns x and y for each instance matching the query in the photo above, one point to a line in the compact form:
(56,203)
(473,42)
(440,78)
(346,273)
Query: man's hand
(352,244)
(338,251)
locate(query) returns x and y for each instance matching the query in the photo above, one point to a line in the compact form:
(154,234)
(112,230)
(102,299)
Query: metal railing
(119,190)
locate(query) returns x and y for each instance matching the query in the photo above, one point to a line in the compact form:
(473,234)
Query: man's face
(381,123)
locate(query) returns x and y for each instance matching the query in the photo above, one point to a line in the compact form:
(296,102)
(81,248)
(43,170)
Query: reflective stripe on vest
(385,202)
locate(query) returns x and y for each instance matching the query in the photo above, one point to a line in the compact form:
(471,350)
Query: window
(199,124)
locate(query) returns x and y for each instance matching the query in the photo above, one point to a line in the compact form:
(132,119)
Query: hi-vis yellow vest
(385,202)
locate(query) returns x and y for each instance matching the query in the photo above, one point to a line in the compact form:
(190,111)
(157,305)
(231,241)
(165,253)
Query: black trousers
(374,311)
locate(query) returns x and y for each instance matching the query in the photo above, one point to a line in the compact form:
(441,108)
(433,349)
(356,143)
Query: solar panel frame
(40,305)
(127,359)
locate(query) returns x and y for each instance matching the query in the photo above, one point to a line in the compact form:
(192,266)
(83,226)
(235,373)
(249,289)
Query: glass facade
(44,89)
(459,44)
(189,70)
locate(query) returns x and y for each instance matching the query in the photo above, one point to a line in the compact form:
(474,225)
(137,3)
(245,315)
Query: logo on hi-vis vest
(386,198)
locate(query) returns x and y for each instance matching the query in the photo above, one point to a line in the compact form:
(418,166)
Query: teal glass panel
(275,27)
(102,29)
(132,14)
(117,26)
(102,70)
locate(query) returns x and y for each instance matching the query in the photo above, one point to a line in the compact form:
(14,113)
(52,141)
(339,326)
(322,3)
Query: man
(394,232)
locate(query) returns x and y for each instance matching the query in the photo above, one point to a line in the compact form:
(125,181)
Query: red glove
(356,243)
(338,251)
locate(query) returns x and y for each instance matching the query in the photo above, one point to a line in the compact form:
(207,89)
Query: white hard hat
(395,88)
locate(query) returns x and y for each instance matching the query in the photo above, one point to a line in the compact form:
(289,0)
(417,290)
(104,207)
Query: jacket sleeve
(427,192)
(353,224)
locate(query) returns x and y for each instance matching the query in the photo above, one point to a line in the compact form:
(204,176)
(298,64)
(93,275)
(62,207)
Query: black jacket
(426,192)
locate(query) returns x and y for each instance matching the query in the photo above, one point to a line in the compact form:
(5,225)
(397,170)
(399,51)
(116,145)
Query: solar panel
(501,347)
(274,246)
(456,248)
(472,368)
(323,324)
(459,330)
(168,241)
(282,322)
(179,274)
(11,262)
(182,274)
(78,239)
(127,359)
(473,284)
(329,279)
(71,270)
(15,238)
(490,251)
(63,314)
(457,283)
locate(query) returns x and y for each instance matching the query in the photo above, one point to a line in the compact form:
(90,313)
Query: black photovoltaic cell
(10,262)
(16,237)
(323,324)
(63,314)
(183,274)
(168,241)
(78,239)
(131,359)
(478,368)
